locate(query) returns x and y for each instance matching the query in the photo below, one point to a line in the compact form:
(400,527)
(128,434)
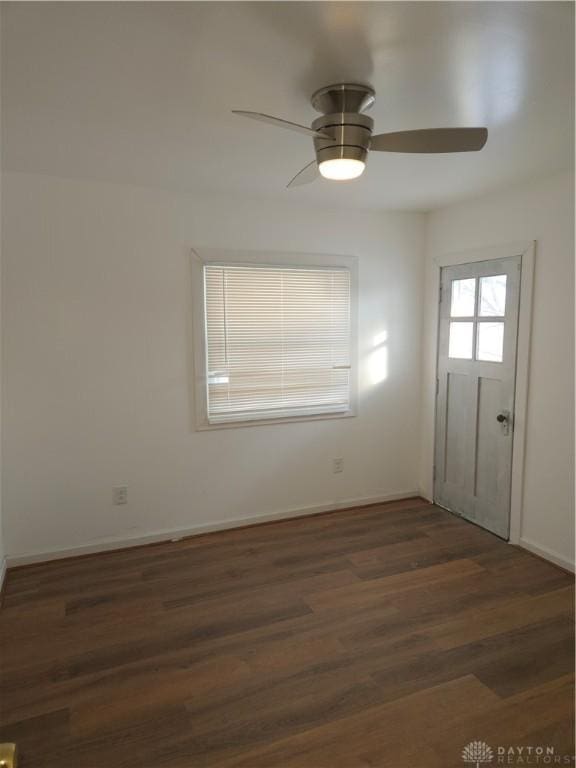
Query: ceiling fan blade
(307,175)
(431,140)
(277,121)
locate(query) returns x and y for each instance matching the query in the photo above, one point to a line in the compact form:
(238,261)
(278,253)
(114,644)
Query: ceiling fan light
(341,168)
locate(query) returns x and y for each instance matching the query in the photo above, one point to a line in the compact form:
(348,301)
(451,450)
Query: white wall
(98,354)
(541,211)
(2,547)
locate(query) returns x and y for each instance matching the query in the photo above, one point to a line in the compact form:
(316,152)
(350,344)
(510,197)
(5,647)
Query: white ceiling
(142,92)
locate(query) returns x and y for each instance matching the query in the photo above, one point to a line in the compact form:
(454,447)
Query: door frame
(527,252)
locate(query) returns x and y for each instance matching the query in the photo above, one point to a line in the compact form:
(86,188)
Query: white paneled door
(475,390)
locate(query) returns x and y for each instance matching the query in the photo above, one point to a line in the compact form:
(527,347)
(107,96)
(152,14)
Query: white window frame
(216,257)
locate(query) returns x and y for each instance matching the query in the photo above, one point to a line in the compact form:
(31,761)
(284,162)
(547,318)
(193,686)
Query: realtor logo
(477,753)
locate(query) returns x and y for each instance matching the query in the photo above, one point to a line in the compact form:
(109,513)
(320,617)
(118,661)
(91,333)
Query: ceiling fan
(343,134)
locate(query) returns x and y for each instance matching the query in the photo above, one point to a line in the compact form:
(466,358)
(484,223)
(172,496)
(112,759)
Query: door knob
(504,419)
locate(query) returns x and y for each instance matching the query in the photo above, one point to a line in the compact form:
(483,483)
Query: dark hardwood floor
(387,636)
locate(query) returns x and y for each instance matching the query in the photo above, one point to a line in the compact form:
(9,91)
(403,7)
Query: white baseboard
(547,554)
(107,545)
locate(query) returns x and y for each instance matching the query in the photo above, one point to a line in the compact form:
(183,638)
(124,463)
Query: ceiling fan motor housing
(343,119)
(352,132)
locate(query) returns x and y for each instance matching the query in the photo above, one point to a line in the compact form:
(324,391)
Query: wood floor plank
(496,620)
(506,663)
(510,723)
(382,636)
(378,731)
(225,620)
(377,589)
(142,696)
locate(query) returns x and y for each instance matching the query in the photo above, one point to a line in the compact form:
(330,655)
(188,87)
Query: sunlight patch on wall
(378,359)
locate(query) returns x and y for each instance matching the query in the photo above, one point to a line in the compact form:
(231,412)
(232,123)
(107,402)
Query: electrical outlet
(120,495)
(337,465)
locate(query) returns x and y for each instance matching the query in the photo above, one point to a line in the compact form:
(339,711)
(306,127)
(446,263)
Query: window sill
(205,426)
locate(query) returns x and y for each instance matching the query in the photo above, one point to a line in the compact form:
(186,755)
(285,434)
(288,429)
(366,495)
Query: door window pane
(492,296)
(463,297)
(490,344)
(460,343)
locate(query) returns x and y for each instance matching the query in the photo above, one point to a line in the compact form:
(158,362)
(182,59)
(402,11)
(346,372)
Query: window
(486,306)
(463,298)
(490,345)
(460,343)
(277,341)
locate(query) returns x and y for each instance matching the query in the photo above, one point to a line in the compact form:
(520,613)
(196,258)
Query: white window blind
(278,341)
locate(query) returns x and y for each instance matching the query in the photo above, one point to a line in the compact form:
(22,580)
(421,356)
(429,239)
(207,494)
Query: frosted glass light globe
(341,169)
